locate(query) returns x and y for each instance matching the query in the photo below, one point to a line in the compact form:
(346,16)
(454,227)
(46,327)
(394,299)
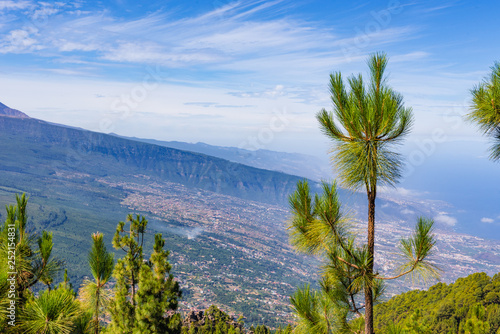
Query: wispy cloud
(20,41)
(44,11)
(14,5)
(407,212)
(487,220)
(68,72)
(217,105)
(278,90)
(242,37)
(443,218)
(400,192)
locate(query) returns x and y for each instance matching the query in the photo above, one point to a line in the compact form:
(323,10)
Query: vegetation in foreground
(143,299)
(486,109)
(470,305)
(366,122)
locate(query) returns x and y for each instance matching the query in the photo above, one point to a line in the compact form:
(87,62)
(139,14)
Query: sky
(253,74)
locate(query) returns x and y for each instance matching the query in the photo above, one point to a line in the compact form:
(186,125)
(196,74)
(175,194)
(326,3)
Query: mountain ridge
(188,168)
(9,112)
(299,164)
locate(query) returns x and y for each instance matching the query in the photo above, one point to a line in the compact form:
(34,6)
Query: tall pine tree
(93,292)
(146,294)
(158,293)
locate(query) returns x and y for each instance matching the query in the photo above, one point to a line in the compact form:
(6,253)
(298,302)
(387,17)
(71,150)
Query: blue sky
(249,74)
(221,71)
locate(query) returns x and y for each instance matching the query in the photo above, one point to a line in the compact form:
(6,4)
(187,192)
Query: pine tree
(486,108)
(477,324)
(319,227)
(365,123)
(94,293)
(21,263)
(53,312)
(158,293)
(126,272)
(146,294)
(416,324)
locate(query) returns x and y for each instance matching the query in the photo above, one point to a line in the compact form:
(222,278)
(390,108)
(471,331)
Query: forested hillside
(470,305)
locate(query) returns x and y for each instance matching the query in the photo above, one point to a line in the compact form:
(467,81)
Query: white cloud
(399,192)
(487,220)
(12,5)
(412,56)
(240,37)
(407,212)
(69,46)
(444,219)
(45,11)
(19,41)
(148,52)
(69,72)
(277,91)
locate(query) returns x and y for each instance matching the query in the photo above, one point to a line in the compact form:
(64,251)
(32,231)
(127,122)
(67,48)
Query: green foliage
(366,122)
(319,227)
(158,292)
(215,321)
(53,312)
(459,308)
(126,273)
(95,295)
(318,312)
(261,329)
(121,308)
(146,295)
(22,264)
(369,119)
(287,330)
(415,324)
(486,108)
(32,265)
(417,248)
(476,322)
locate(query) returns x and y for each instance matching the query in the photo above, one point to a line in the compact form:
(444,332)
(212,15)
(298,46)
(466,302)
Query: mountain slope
(290,163)
(445,308)
(101,154)
(6,111)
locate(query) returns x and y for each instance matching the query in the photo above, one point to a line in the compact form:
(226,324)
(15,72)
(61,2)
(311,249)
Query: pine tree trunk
(97,308)
(368,310)
(133,290)
(371,251)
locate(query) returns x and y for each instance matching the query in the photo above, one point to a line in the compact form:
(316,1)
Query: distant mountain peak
(6,111)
